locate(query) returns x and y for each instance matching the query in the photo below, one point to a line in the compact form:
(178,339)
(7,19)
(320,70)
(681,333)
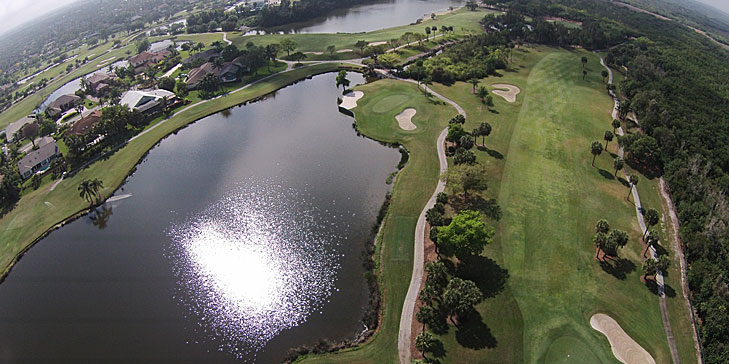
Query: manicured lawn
(551,198)
(540,173)
(375,117)
(462,20)
(40,210)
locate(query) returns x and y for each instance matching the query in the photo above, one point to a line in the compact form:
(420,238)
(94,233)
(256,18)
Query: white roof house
(145,100)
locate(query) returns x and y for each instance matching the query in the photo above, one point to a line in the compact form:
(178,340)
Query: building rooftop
(46,148)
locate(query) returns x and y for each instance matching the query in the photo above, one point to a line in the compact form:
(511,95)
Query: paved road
(641,222)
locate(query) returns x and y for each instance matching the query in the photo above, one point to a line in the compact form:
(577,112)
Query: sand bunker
(509,95)
(624,347)
(349,101)
(345,50)
(317,53)
(375,44)
(404,119)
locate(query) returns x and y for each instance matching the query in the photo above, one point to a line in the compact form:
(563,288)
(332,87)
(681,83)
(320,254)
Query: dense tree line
(677,86)
(210,21)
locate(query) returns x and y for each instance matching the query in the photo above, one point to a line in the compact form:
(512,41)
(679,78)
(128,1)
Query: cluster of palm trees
(90,190)
(608,241)
(481,92)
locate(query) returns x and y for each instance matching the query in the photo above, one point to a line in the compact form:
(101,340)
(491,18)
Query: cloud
(17,12)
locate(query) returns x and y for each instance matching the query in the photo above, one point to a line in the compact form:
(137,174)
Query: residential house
(147,101)
(85,124)
(197,74)
(241,63)
(63,103)
(38,159)
(98,81)
(206,56)
(229,73)
(141,61)
(15,127)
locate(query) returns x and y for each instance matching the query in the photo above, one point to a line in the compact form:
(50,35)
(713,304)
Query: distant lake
(372,16)
(235,239)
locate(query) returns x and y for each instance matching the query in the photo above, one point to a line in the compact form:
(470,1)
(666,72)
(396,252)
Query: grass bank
(375,115)
(40,211)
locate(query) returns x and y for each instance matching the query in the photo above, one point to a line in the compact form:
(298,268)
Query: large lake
(236,238)
(372,16)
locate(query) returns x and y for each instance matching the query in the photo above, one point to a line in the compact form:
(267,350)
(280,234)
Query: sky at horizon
(722,5)
(16,12)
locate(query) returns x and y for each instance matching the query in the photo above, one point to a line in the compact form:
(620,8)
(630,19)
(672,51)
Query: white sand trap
(317,53)
(509,95)
(375,44)
(345,50)
(404,119)
(624,347)
(349,101)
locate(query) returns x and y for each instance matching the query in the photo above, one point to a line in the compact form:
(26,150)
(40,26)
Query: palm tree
(608,136)
(427,33)
(86,191)
(602,226)
(618,163)
(600,240)
(484,130)
(623,110)
(331,49)
(427,82)
(662,263)
(619,237)
(605,75)
(651,217)
(482,93)
(595,149)
(474,82)
(616,124)
(632,180)
(584,61)
(649,268)
(651,240)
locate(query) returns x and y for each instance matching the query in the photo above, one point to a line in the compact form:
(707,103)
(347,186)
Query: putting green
(390,103)
(569,350)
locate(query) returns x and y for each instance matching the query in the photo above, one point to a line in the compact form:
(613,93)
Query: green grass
(540,172)
(462,20)
(40,210)
(27,105)
(375,117)
(551,197)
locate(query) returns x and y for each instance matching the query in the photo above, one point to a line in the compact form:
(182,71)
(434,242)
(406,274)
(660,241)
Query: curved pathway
(408,308)
(638,211)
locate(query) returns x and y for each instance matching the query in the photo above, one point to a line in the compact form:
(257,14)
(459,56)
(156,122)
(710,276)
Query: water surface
(372,16)
(235,239)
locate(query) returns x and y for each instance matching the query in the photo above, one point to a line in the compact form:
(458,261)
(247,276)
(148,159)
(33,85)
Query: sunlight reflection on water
(256,263)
